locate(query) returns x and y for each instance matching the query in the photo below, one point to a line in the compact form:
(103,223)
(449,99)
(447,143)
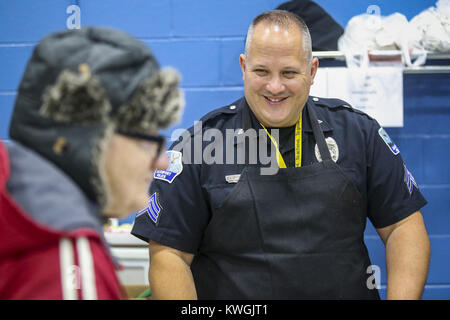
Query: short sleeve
(393,193)
(177,213)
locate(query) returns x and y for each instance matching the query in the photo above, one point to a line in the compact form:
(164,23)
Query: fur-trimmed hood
(79,87)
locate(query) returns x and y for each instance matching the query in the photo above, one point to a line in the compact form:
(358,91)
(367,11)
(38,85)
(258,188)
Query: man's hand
(170,275)
(407,257)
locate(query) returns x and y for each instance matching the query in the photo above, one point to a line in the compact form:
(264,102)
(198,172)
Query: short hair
(284,19)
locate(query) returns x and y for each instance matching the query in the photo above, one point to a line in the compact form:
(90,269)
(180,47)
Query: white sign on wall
(377,91)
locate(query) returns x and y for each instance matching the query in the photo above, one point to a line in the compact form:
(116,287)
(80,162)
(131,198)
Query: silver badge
(332,146)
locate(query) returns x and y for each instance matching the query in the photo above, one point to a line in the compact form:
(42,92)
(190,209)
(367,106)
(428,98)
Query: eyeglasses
(160,140)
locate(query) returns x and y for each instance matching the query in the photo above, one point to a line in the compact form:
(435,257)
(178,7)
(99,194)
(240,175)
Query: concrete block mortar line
(17,44)
(8,93)
(439,236)
(434,186)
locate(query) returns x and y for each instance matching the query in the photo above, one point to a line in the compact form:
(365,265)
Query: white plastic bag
(374,32)
(431,28)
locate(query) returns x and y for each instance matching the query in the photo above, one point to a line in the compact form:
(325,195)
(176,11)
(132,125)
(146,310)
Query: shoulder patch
(383,134)
(154,208)
(409,181)
(173,170)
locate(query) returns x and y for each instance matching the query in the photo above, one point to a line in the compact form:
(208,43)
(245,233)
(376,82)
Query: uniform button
(315,99)
(232,107)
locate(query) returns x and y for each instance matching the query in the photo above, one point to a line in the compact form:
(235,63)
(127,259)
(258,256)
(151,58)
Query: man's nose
(275,85)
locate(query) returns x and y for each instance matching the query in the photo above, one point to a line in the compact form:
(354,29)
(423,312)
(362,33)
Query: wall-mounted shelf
(435,63)
(339,55)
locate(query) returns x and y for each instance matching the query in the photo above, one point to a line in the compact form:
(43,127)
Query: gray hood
(79,87)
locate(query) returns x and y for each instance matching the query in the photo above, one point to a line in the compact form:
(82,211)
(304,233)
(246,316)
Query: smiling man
(278,71)
(225,231)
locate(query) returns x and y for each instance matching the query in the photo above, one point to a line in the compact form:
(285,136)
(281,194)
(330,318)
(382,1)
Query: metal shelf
(427,69)
(339,55)
(435,63)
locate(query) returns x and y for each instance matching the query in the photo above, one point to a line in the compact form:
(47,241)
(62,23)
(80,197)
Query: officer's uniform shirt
(179,211)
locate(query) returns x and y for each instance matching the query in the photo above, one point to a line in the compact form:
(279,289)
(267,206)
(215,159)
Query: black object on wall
(325,31)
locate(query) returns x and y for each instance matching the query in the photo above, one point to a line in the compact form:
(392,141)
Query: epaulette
(333,103)
(228,109)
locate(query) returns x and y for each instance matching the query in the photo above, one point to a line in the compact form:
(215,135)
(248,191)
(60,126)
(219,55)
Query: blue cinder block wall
(203,39)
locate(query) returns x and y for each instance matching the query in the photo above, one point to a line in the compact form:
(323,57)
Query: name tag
(234,178)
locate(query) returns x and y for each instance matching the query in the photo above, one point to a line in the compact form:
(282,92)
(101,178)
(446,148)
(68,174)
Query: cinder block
(441,292)
(197,60)
(436,157)
(200,102)
(25,21)
(215,18)
(440,260)
(229,62)
(426,104)
(424,121)
(6,107)
(436,212)
(141,18)
(427,121)
(425,89)
(13,60)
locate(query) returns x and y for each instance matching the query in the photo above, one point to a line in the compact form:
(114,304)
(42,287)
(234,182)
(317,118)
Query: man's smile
(275,100)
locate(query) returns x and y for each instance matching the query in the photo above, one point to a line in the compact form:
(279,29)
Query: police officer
(228,231)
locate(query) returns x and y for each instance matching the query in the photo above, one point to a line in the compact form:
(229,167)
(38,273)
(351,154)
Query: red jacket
(39,262)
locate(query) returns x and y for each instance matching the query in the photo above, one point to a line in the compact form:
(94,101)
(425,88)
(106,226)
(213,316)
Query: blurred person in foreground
(84,146)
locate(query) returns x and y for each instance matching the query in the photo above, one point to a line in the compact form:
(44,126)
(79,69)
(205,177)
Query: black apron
(297,234)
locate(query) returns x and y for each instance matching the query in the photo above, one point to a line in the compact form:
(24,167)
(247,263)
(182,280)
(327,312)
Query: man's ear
(242,63)
(314,67)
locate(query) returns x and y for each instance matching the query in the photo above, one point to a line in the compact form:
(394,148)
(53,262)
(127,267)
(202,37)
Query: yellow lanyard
(298,145)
